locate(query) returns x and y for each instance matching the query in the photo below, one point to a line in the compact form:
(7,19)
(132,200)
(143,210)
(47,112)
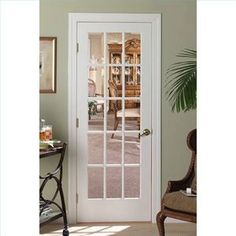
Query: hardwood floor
(121,229)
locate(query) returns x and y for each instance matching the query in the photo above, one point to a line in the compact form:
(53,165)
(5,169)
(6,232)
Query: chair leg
(160,218)
(115,127)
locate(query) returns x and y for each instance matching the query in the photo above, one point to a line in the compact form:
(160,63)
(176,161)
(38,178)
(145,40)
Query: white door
(114,163)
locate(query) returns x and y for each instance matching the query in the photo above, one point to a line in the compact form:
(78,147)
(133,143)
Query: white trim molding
(156,116)
(155,21)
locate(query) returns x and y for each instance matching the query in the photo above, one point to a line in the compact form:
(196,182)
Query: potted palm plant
(181,84)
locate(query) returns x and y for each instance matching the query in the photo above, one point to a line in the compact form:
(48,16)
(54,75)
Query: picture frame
(47,64)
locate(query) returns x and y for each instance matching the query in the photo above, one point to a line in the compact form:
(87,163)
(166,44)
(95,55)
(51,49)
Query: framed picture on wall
(47,64)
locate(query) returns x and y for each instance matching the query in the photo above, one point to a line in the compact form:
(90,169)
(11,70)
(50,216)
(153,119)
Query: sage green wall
(178,32)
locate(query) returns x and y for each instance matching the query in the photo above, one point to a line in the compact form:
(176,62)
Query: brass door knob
(146,132)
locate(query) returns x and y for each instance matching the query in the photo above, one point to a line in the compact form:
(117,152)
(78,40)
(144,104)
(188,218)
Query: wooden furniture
(132,61)
(129,113)
(174,203)
(55,175)
(130,91)
(132,68)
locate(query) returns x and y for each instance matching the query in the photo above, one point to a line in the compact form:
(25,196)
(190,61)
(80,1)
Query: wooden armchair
(174,203)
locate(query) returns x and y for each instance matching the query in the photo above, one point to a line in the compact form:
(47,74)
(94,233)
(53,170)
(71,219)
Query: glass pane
(139,58)
(132,114)
(114,116)
(115,76)
(132,148)
(132,182)
(96,82)
(95,182)
(138,71)
(96,48)
(114,85)
(132,90)
(114,44)
(129,71)
(136,76)
(96,114)
(113,181)
(116,58)
(95,148)
(115,38)
(132,48)
(132,80)
(114,148)
(129,59)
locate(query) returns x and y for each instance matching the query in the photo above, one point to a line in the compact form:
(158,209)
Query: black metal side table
(55,175)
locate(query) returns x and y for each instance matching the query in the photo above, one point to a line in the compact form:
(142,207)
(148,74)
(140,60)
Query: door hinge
(77,47)
(77,198)
(77,122)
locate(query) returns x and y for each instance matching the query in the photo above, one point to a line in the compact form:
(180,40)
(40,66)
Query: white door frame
(155,21)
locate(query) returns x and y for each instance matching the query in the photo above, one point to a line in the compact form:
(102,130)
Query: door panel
(114,176)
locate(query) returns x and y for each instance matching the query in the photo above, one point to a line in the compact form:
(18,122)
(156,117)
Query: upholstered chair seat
(131,112)
(180,202)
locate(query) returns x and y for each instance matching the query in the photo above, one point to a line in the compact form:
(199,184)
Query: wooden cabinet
(131,65)
(132,62)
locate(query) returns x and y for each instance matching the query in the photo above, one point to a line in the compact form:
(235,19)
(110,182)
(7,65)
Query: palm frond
(181,82)
(189,53)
